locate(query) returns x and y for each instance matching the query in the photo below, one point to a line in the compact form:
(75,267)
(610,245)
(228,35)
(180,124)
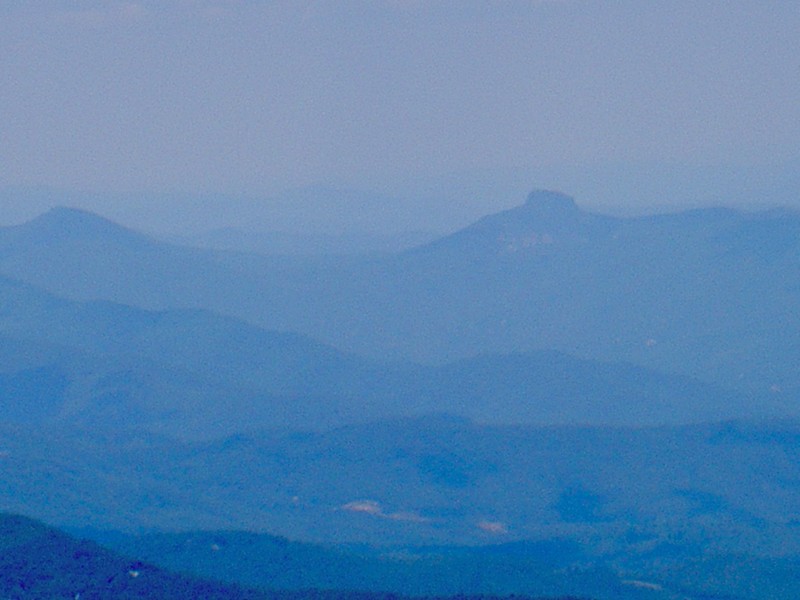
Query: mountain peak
(551,202)
(64,223)
(66,215)
(547,220)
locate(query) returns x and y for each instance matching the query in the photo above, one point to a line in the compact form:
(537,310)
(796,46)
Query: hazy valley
(605,407)
(399,300)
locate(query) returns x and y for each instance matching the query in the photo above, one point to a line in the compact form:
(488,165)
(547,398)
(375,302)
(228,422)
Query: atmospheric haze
(189,115)
(474,299)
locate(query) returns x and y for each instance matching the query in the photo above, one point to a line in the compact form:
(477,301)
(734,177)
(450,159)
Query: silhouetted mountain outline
(707,293)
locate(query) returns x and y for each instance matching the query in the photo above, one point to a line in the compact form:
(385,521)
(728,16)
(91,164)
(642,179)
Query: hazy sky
(190,97)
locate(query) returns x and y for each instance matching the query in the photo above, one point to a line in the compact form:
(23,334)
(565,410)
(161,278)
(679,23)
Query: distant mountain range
(706,293)
(298,244)
(611,401)
(196,374)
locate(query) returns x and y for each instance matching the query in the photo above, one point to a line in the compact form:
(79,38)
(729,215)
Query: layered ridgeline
(666,571)
(196,374)
(551,568)
(113,343)
(728,487)
(297,244)
(707,293)
(691,512)
(37,561)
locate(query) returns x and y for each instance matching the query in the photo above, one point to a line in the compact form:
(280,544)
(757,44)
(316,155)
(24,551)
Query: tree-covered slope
(553,568)
(40,562)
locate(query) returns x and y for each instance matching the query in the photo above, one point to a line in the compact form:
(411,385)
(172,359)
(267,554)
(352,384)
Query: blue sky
(194,97)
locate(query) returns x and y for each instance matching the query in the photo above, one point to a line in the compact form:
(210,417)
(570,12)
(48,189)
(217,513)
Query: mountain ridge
(670,293)
(191,371)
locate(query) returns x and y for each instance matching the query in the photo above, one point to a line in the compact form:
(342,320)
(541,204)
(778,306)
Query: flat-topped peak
(549,201)
(547,220)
